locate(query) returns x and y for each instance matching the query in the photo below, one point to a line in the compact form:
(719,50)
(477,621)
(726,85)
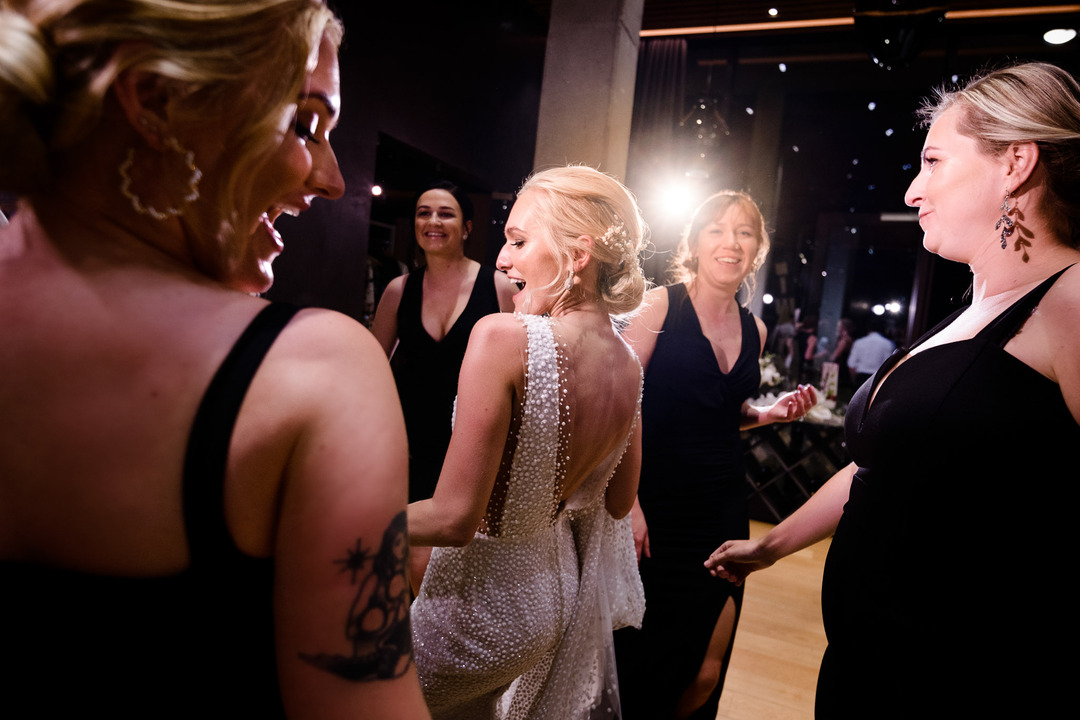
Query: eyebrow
(331,106)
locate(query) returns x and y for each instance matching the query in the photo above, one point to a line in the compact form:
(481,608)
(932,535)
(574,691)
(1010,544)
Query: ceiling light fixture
(1059,36)
(841,21)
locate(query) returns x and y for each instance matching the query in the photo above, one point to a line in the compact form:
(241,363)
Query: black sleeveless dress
(426,372)
(197,644)
(943,593)
(693,493)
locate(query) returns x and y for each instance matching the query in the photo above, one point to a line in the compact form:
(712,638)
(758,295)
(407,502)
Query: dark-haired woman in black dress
(423,323)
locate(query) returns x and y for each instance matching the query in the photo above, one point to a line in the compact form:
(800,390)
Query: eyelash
(304,132)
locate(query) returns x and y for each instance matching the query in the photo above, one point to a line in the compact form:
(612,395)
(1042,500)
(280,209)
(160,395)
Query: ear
(468,227)
(1020,159)
(580,257)
(144,99)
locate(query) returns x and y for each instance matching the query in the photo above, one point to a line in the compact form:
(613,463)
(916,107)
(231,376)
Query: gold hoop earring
(190,196)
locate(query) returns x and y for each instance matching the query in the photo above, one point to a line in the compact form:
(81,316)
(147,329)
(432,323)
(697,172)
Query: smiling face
(958,192)
(727,247)
(440,224)
(527,258)
(302,167)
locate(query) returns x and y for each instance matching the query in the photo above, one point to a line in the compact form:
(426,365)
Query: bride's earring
(570,281)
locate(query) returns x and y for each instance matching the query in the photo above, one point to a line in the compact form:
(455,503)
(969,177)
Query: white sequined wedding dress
(517,624)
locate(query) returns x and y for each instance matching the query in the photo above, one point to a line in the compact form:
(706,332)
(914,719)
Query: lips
(268,225)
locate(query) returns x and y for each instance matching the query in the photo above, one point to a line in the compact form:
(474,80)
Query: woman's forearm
(430,527)
(815,520)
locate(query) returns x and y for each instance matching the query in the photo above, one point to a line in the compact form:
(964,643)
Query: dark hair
(454,189)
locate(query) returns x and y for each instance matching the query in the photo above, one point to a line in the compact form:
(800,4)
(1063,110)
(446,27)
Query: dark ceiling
(667,14)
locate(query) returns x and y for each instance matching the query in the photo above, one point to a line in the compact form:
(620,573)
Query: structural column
(587,96)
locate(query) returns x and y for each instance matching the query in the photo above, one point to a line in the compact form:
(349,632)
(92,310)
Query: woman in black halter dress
(944,593)
(700,351)
(423,323)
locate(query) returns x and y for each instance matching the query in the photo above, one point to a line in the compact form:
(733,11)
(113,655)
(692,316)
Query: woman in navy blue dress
(700,350)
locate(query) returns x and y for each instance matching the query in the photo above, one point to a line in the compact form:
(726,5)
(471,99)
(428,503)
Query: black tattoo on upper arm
(378,620)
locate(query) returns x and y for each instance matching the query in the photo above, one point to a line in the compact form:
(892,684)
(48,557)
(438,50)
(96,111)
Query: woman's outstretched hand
(736,559)
(792,405)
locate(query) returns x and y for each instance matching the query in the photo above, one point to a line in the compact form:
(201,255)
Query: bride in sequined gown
(532,568)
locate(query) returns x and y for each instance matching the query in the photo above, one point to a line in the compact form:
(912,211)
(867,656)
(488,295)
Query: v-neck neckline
(453,325)
(708,342)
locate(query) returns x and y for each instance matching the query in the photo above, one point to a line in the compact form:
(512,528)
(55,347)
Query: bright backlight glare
(678,200)
(1059,36)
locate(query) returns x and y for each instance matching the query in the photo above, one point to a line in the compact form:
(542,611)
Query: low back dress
(426,372)
(693,493)
(517,624)
(944,589)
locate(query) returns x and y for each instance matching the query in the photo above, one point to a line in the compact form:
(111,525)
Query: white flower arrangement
(770,376)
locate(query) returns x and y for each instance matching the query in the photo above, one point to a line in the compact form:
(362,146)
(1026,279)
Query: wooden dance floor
(780,640)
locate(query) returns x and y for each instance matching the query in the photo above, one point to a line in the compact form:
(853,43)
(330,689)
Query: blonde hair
(245,59)
(578,202)
(684,265)
(1032,102)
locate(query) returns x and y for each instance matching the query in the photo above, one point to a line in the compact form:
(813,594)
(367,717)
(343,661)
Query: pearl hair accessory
(616,237)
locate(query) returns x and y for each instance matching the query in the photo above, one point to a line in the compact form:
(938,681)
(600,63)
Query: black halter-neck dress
(944,593)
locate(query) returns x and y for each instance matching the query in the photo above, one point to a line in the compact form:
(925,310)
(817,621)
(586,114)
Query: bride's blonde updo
(578,204)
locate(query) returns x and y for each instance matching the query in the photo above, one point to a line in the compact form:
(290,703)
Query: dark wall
(459,83)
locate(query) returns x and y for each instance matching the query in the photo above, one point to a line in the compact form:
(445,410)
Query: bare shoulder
(1059,311)
(318,335)
(1057,330)
(323,358)
(646,325)
(499,331)
(395,287)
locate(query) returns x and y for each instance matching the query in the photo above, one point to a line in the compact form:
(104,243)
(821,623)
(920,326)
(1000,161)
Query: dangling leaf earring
(570,281)
(1005,223)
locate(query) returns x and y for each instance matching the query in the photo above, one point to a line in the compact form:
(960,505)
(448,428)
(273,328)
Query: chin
(255,281)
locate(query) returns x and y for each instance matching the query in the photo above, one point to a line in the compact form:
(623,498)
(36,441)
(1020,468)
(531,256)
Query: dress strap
(1002,328)
(412,295)
(209,540)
